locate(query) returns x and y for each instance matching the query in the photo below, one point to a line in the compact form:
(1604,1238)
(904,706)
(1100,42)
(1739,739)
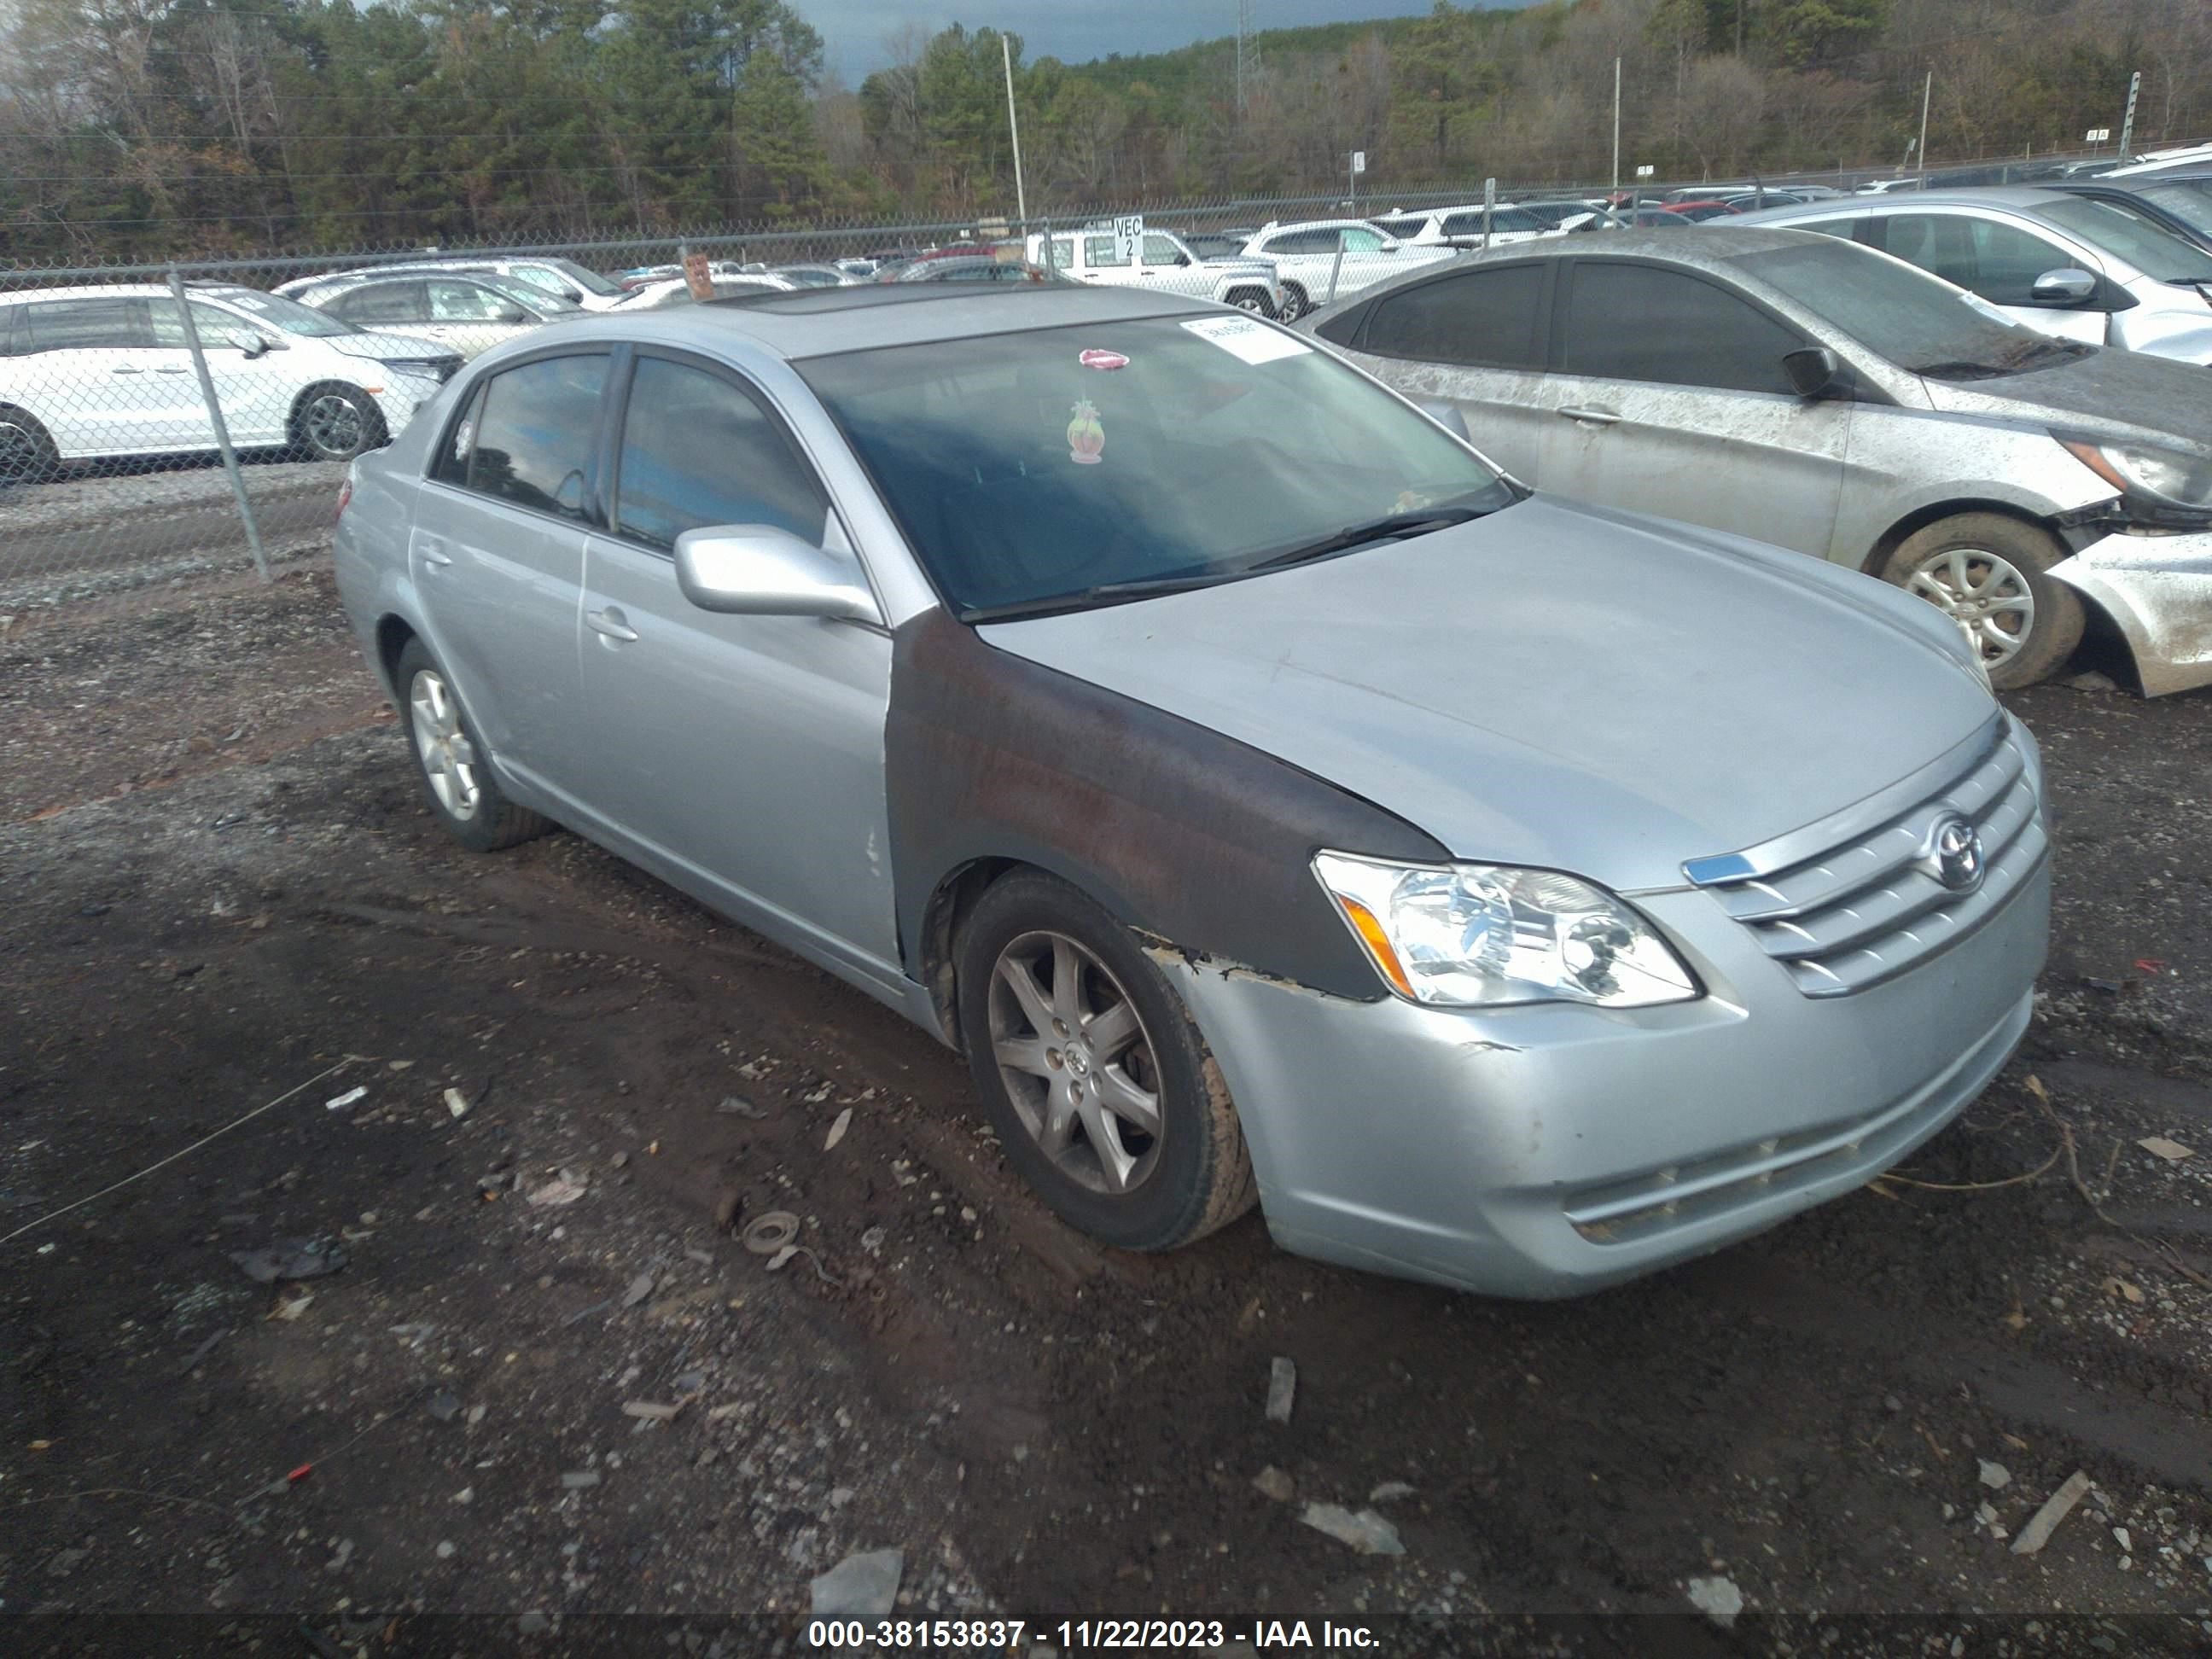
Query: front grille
(1856,913)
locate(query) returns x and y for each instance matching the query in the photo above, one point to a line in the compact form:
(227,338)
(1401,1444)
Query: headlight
(1481,935)
(2162,475)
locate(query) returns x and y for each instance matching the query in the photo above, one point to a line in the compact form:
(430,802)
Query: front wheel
(1094,1075)
(337,422)
(27,454)
(1295,303)
(1252,300)
(1992,575)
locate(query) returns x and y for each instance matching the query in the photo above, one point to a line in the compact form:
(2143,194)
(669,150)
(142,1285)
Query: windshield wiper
(1086,598)
(2014,360)
(1390,528)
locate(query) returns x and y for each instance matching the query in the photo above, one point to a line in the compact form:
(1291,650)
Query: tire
(27,454)
(1178,1184)
(1295,303)
(334,421)
(460,788)
(1992,573)
(1252,300)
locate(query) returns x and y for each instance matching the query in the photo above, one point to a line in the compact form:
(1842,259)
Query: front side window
(88,324)
(697,451)
(1626,322)
(1362,241)
(217,328)
(1034,468)
(1484,318)
(1160,250)
(530,438)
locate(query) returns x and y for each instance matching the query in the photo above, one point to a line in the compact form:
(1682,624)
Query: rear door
(1668,397)
(1472,338)
(747,751)
(1997,258)
(497,555)
(89,380)
(1159,268)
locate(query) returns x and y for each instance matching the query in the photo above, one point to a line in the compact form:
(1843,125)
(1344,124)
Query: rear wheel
(459,787)
(336,422)
(1097,1081)
(1295,303)
(27,451)
(1992,575)
(1252,300)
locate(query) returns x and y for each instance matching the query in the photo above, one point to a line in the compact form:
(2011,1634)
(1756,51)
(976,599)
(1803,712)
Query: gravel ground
(222,891)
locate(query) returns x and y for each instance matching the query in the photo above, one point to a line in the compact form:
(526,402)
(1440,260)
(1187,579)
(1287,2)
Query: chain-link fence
(162,425)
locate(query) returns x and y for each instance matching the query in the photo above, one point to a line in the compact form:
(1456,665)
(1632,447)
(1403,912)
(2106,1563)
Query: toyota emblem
(1954,854)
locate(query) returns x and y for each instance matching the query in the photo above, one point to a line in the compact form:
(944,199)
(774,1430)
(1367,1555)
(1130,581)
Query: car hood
(387,348)
(1554,685)
(2109,394)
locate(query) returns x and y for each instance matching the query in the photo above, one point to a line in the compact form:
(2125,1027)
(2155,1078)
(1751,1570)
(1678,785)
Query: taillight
(345,494)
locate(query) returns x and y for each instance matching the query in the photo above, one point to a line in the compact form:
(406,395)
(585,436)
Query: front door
(497,555)
(1670,396)
(746,751)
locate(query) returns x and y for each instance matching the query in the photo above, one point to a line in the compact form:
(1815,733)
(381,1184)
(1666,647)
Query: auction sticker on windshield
(1240,337)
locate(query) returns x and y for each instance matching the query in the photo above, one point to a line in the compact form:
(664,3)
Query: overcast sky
(853,31)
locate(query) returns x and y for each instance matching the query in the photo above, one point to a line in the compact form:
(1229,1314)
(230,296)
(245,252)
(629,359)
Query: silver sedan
(1191,733)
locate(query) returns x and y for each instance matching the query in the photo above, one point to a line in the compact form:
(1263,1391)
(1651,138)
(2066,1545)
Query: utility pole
(2128,122)
(1014,131)
(1927,87)
(1248,53)
(1616,126)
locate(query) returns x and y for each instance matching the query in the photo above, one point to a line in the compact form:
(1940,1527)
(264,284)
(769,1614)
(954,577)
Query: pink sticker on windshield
(1096,358)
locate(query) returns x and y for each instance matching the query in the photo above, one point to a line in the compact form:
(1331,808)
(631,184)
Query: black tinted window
(79,324)
(533,438)
(1479,317)
(1642,323)
(696,451)
(381,302)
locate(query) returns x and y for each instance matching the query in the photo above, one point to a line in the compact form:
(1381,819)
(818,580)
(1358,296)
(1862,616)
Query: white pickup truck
(1165,261)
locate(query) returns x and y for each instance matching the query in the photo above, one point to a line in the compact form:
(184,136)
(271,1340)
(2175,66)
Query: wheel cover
(19,451)
(332,423)
(449,759)
(1076,1062)
(1251,302)
(1987,595)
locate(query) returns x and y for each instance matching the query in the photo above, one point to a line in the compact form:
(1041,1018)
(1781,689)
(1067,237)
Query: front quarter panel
(1901,464)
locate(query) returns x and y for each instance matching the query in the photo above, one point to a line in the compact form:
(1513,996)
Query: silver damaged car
(1275,804)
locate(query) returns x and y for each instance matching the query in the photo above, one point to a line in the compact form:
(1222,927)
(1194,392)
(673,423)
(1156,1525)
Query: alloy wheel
(1076,1061)
(332,423)
(449,759)
(1986,595)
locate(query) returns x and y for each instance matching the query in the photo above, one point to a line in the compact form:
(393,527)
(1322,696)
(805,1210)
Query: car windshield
(1919,322)
(279,312)
(590,281)
(1037,469)
(2189,200)
(2123,231)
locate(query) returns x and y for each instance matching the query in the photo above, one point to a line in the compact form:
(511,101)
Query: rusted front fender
(2158,591)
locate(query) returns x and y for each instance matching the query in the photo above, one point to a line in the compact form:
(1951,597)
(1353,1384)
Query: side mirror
(1814,370)
(253,345)
(1182,258)
(512,314)
(1447,416)
(2067,287)
(1391,245)
(758,570)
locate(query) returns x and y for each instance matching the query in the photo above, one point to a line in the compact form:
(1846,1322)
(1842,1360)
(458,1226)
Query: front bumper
(2158,591)
(1552,1150)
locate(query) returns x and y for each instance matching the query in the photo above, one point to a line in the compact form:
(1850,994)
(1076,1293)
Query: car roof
(821,322)
(89,291)
(2025,198)
(1711,248)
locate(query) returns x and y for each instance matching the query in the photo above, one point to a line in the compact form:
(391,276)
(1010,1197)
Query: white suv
(90,373)
(1164,262)
(1324,259)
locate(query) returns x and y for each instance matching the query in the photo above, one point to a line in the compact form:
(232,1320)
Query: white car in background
(1463,226)
(1323,259)
(95,373)
(564,279)
(468,311)
(1164,261)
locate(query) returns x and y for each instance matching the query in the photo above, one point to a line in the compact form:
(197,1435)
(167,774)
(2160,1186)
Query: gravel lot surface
(580,1089)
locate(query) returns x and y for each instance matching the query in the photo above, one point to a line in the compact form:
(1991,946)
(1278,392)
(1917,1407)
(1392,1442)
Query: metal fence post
(214,419)
(1336,265)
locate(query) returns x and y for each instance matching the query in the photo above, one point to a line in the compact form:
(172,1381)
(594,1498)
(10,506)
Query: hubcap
(449,759)
(333,424)
(1076,1061)
(1986,595)
(19,452)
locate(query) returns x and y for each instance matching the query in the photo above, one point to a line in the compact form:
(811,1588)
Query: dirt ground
(221,891)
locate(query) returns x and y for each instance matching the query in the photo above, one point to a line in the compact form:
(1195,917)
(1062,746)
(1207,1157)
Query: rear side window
(380,303)
(1484,318)
(83,324)
(532,437)
(1102,251)
(698,450)
(1623,322)
(14,338)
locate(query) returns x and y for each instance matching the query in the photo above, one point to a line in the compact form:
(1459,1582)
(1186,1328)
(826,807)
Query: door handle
(433,555)
(125,368)
(610,622)
(1593,417)
(167,368)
